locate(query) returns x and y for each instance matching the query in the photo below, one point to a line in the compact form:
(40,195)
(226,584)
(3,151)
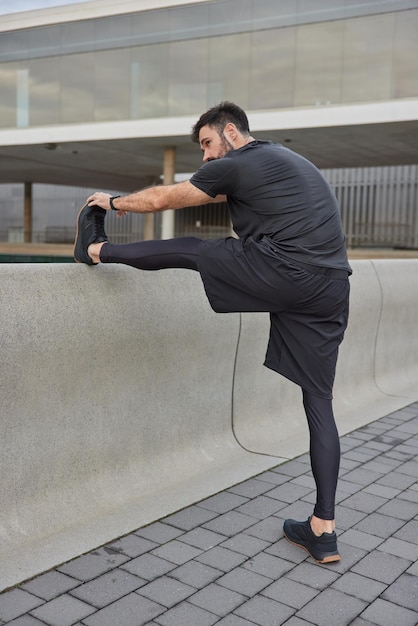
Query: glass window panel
(405,74)
(8,82)
(149,81)
(77,95)
(367,65)
(78,37)
(112,32)
(229,63)
(112,85)
(150,27)
(189,21)
(188,77)
(44,95)
(230,16)
(318,64)
(272,69)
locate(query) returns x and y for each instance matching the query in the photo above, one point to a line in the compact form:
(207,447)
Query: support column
(27,214)
(167,226)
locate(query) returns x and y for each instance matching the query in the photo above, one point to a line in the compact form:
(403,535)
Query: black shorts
(308,306)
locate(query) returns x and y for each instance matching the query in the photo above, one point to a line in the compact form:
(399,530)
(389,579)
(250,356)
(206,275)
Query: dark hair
(219,116)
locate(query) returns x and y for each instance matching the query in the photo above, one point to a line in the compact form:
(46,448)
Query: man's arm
(157,198)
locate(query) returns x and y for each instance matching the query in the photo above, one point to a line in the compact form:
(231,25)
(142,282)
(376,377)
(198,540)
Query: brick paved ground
(224,561)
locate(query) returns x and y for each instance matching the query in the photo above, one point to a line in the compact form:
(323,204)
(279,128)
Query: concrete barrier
(125,398)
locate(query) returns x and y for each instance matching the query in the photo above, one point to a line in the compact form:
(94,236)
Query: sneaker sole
(76,234)
(327,559)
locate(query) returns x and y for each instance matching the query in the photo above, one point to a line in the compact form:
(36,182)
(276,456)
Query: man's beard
(226,147)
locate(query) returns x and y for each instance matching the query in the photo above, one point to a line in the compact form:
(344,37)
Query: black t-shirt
(275,192)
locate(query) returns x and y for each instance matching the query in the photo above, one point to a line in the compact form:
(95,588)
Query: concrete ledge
(125,398)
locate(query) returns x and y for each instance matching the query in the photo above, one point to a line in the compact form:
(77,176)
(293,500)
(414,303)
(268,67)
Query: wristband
(111,203)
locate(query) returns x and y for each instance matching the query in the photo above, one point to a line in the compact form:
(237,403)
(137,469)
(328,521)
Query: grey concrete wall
(125,398)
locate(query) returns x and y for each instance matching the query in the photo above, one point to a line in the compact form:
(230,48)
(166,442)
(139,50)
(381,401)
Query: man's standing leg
(317,535)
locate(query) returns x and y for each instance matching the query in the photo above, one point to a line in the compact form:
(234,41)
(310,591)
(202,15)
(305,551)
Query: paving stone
(292,468)
(234,620)
(379,525)
(273,477)
(360,540)
(297,621)
(410,494)
(223,502)
(408,532)
(377,466)
(166,591)
(362,477)
(288,492)
(363,501)
(400,509)
(299,510)
(287,551)
(132,545)
(190,518)
(410,468)
(404,592)
(244,581)
(177,552)
(251,488)
(230,523)
(63,611)
(186,614)
(245,544)
(400,548)
(382,491)
(346,488)
(332,607)
(93,564)
(107,588)
(396,480)
(272,567)
(217,599)
(359,586)
(132,610)
(350,555)
(148,566)
(347,518)
(413,570)
(221,558)
(16,602)
(347,465)
(50,585)
(314,576)
(387,614)
(264,611)
(202,538)
(306,480)
(290,592)
(159,532)
(359,455)
(25,620)
(381,566)
(261,507)
(196,574)
(269,529)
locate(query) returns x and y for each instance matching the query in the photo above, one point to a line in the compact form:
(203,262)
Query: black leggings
(156,254)
(324,451)
(182,252)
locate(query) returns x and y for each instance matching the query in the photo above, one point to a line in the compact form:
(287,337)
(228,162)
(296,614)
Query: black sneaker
(90,229)
(323,548)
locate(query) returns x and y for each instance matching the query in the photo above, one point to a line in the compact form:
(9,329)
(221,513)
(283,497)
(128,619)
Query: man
(290,261)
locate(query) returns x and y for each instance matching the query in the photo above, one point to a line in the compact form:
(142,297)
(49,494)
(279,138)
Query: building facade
(337,81)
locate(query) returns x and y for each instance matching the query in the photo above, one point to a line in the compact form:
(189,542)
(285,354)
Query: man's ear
(231,131)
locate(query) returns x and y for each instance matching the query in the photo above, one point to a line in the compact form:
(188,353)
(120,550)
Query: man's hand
(102,199)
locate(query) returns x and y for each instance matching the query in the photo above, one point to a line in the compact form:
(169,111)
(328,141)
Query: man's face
(213,145)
